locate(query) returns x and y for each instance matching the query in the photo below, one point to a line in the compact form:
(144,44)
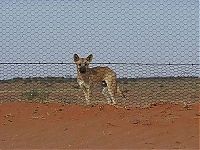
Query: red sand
(45,126)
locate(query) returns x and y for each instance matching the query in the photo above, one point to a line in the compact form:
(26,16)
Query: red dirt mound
(45,126)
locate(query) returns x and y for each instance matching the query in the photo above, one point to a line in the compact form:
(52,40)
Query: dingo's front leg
(86,91)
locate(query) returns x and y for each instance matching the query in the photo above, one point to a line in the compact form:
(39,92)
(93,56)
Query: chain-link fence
(152,46)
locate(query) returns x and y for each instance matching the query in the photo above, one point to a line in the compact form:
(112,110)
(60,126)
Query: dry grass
(138,92)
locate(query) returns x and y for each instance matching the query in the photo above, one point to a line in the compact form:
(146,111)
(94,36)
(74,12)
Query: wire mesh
(152,46)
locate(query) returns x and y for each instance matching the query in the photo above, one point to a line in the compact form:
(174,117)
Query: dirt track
(34,125)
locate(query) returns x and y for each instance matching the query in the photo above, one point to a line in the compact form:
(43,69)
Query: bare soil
(26,125)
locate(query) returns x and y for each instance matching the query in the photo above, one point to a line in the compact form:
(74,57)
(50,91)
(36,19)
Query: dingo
(89,77)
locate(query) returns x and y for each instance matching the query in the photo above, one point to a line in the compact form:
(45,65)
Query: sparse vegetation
(38,95)
(141,92)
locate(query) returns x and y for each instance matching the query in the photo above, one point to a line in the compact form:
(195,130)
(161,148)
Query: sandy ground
(45,126)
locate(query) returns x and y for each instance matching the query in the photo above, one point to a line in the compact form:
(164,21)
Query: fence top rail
(119,63)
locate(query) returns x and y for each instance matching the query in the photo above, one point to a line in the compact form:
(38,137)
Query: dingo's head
(82,63)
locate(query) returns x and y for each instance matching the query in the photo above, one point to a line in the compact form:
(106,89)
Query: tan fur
(89,77)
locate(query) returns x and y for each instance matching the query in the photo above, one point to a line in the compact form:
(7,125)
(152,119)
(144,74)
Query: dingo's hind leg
(111,87)
(106,94)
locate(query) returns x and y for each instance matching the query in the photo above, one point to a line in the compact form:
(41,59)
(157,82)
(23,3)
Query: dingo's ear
(76,58)
(89,58)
